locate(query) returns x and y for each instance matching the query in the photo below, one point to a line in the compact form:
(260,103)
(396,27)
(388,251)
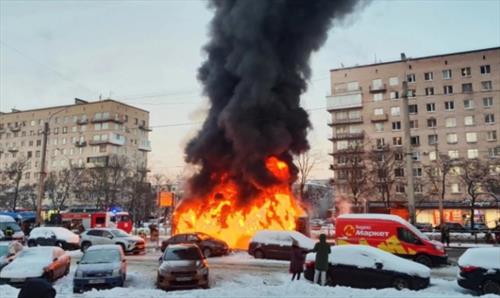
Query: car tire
(207,252)
(85,246)
(424,260)
(258,254)
(491,287)
(400,283)
(31,243)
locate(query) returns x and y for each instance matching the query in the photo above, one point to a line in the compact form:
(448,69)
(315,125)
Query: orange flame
(220,215)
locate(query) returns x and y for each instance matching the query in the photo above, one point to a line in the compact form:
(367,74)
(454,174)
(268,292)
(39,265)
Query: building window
(431,122)
(396,125)
(451,122)
(489,118)
(394,81)
(494,152)
(342,145)
(472,153)
(378,97)
(469,120)
(64,129)
(38,143)
(380,143)
(431,107)
(413,123)
(428,76)
(411,78)
(74,129)
(471,137)
(448,89)
(429,91)
(491,135)
(455,188)
(453,154)
(398,156)
(487,102)
(97,126)
(419,188)
(466,72)
(395,111)
(432,139)
(400,188)
(467,88)
(451,138)
(394,95)
(449,105)
(417,172)
(399,172)
(468,104)
(415,155)
(413,109)
(415,140)
(432,155)
(447,74)
(397,141)
(486,86)
(378,111)
(411,93)
(485,69)
(379,127)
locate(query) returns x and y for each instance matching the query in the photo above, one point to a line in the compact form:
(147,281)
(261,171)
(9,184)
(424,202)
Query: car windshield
(119,233)
(14,226)
(100,256)
(36,254)
(177,254)
(3,250)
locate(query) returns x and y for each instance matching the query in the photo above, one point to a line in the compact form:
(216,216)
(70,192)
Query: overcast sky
(146,53)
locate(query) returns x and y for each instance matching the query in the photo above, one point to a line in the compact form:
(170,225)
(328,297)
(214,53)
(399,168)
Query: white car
(54,236)
(129,243)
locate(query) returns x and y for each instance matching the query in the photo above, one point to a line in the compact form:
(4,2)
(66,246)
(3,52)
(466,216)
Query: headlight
(78,273)
(203,270)
(116,272)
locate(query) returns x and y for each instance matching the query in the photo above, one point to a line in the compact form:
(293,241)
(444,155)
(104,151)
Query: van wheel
(400,283)
(85,246)
(258,254)
(491,287)
(424,260)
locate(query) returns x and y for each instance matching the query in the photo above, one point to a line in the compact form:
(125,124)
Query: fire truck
(87,218)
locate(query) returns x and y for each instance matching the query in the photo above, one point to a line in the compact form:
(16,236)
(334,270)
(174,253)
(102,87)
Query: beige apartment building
(454,109)
(83,134)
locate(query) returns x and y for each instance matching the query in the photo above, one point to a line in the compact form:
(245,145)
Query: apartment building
(454,109)
(82,134)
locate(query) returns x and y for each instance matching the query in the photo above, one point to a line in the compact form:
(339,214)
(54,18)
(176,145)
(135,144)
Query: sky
(146,54)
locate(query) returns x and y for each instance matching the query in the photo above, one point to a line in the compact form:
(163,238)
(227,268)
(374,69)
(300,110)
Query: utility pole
(43,173)
(410,188)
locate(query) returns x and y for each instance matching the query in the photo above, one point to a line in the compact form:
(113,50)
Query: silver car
(129,243)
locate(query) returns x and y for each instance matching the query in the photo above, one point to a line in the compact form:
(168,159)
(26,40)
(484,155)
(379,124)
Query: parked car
(6,222)
(101,266)
(129,243)
(54,236)
(480,270)
(8,252)
(182,266)
(392,234)
(48,262)
(362,266)
(277,244)
(452,227)
(423,226)
(209,245)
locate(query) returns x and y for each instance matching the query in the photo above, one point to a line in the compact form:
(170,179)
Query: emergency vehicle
(97,219)
(390,233)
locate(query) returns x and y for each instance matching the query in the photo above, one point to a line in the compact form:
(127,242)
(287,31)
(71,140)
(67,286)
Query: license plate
(184,278)
(17,279)
(97,281)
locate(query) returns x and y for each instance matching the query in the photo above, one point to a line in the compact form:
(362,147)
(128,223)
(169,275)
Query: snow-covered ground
(240,275)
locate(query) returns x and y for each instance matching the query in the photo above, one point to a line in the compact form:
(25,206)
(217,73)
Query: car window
(94,233)
(106,234)
(182,253)
(192,238)
(407,236)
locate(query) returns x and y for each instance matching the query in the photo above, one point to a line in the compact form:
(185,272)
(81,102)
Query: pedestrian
(445,234)
(297,259)
(322,250)
(37,287)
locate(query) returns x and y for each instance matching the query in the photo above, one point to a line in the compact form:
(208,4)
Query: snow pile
(484,257)
(60,233)
(283,238)
(363,256)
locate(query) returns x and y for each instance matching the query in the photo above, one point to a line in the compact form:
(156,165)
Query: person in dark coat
(37,288)
(445,234)
(322,250)
(297,260)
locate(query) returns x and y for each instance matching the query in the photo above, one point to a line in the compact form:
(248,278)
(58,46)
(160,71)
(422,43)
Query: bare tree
(382,164)
(305,163)
(28,195)
(437,174)
(14,173)
(62,185)
(140,195)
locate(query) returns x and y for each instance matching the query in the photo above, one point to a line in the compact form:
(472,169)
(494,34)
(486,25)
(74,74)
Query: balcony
(80,143)
(82,121)
(345,166)
(118,120)
(347,136)
(343,90)
(15,128)
(348,151)
(145,128)
(346,101)
(377,89)
(346,121)
(145,146)
(13,149)
(379,118)
(112,139)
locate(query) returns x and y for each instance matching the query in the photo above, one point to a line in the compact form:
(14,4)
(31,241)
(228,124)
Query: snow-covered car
(101,266)
(8,252)
(7,222)
(480,270)
(209,245)
(54,236)
(182,266)
(129,243)
(271,244)
(362,266)
(48,262)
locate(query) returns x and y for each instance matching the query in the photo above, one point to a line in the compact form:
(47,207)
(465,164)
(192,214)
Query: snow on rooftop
(484,257)
(283,237)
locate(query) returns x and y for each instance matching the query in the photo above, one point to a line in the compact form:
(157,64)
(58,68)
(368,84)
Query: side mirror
(379,265)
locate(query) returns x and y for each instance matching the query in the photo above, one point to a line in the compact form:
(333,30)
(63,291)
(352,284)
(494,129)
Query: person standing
(297,260)
(322,250)
(445,234)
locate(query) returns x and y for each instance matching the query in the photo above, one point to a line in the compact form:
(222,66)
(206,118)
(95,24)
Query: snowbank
(484,257)
(364,256)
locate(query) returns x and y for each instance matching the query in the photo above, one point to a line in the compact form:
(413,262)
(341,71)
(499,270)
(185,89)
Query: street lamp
(43,173)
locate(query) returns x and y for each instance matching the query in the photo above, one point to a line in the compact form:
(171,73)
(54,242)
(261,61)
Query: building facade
(454,109)
(84,134)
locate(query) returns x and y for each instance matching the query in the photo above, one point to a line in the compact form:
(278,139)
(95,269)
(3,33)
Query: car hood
(182,265)
(23,269)
(98,267)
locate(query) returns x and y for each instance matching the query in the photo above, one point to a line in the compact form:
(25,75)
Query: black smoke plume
(257,68)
